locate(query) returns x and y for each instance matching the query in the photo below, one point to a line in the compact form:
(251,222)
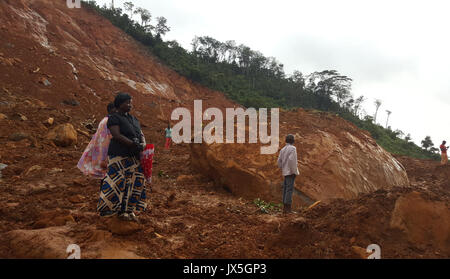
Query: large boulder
(335,158)
(423,221)
(63,135)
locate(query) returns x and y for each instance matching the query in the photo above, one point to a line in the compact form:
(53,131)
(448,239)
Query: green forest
(253,80)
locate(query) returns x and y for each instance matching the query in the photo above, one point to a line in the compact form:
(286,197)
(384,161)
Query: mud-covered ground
(66,64)
(47,204)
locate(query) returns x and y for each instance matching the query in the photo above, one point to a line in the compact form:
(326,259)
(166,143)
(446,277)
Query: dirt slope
(47,204)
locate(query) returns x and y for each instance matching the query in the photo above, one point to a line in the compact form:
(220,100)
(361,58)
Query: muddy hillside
(60,67)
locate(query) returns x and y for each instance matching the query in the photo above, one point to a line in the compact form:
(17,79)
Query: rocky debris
(32,169)
(120,227)
(63,135)
(423,221)
(37,189)
(71,102)
(84,133)
(49,121)
(10,61)
(18,136)
(49,243)
(44,81)
(55,171)
(18,116)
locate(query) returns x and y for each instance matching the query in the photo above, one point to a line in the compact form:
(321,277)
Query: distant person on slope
(168,137)
(94,160)
(444,158)
(123,189)
(287,162)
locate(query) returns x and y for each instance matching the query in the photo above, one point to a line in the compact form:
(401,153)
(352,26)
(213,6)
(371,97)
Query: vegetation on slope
(253,80)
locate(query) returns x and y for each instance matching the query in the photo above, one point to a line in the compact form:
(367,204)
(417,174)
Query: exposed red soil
(188,216)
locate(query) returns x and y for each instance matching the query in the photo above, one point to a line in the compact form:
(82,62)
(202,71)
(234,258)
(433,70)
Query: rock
(55,170)
(37,189)
(84,133)
(335,160)
(63,135)
(33,168)
(76,199)
(45,81)
(3,116)
(313,205)
(49,243)
(117,226)
(423,221)
(18,136)
(71,102)
(49,121)
(8,61)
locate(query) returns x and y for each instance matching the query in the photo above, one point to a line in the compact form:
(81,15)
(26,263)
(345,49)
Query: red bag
(147,161)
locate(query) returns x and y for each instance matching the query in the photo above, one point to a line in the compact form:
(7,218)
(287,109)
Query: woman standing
(123,189)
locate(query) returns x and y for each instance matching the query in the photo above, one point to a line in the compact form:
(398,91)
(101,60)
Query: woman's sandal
(129,217)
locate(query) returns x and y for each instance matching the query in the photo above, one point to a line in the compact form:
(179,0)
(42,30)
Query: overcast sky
(395,51)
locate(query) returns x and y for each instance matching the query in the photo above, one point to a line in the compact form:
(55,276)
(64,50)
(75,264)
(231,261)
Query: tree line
(253,80)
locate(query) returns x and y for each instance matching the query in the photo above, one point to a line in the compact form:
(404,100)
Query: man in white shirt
(287,162)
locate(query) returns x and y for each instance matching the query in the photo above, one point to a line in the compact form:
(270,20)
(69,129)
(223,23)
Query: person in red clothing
(444,158)
(168,137)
